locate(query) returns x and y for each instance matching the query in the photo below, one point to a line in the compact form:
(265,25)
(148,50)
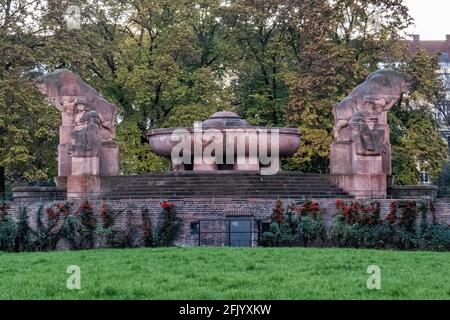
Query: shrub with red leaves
(168,227)
(167,205)
(51,214)
(360,213)
(278,212)
(392,216)
(309,208)
(64,208)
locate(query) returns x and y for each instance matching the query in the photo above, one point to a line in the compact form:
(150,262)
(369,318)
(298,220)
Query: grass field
(225,273)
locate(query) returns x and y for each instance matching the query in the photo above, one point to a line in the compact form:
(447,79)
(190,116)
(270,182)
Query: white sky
(431,18)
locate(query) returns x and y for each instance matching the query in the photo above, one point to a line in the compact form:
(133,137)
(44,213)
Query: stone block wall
(213,213)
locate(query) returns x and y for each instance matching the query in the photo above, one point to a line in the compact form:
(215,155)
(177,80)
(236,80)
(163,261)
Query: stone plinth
(85,166)
(361,176)
(109,159)
(64,160)
(428,192)
(362,185)
(84,186)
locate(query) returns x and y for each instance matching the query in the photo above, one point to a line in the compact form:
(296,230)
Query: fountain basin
(237,139)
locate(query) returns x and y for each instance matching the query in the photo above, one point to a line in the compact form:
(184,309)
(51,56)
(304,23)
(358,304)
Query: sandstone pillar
(360,158)
(87,149)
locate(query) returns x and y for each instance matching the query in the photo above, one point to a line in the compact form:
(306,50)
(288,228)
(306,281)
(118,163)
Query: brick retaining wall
(193,210)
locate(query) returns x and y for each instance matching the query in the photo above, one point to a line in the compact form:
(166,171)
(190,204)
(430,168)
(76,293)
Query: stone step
(226,185)
(224,188)
(232,186)
(174,197)
(220,173)
(201,193)
(222,180)
(216,178)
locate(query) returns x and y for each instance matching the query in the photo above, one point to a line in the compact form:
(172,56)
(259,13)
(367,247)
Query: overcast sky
(432,18)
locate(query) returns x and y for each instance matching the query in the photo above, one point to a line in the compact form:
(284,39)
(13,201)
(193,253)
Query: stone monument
(87,149)
(360,158)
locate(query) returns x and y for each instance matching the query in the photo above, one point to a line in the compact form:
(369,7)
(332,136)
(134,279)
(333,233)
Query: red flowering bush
(88,224)
(392,216)
(167,205)
(108,232)
(294,225)
(51,214)
(106,215)
(359,213)
(168,227)
(409,215)
(64,208)
(85,206)
(278,212)
(309,208)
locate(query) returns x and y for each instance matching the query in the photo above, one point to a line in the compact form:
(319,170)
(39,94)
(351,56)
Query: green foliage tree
(136,157)
(28,127)
(170,62)
(417,143)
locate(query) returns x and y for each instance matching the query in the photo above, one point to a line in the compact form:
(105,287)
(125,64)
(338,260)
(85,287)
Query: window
(195,228)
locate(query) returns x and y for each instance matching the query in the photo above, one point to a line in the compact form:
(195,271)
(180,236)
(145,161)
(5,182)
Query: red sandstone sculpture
(87,149)
(234,145)
(360,158)
(65,90)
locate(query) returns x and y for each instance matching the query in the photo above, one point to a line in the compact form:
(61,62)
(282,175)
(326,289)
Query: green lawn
(225,273)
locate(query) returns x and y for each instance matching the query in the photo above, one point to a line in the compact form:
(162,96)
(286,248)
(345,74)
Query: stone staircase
(223,184)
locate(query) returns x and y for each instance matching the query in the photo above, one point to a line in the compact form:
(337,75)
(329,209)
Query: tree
(256,31)
(28,125)
(417,143)
(335,45)
(168,63)
(146,56)
(135,157)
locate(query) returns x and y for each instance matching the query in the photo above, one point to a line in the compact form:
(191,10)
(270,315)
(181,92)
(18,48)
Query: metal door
(240,232)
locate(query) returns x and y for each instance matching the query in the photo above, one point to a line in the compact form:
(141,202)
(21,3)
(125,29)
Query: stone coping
(415,187)
(38,189)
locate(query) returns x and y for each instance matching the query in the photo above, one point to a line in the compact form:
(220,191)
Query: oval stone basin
(234,144)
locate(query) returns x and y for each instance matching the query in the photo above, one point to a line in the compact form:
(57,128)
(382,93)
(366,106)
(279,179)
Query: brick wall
(193,210)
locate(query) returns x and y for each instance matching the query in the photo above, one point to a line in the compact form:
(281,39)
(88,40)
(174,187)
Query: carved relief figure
(65,89)
(367,134)
(371,99)
(86,135)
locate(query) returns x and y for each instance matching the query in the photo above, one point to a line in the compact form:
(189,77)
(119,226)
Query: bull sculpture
(370,100)
(67,91)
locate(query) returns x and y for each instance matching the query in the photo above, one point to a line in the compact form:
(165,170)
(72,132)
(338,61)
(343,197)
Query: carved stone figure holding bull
(66,90)
(361,117)
(87,132)
(360,157)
